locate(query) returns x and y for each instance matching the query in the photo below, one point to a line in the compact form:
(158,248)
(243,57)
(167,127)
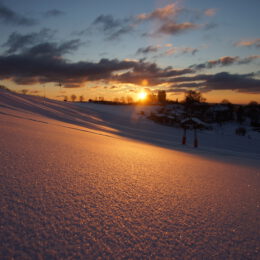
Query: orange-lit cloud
(169,11)
(210,12)
(176,28)
(248,43)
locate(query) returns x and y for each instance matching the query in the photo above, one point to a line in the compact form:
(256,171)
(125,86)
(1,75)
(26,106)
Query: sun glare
(142,95)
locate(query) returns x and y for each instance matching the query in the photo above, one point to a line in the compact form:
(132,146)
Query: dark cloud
(209,26)
(181,51)
(72,85)
(123,30)
(111,27)
(45,49)
(50,49)
(107,22)
(147,50)
(53,13)
(248,59)
(9,16)
(44,63)
(224,61)
(151,72)
(172,28)
(221,81)
(17,41)
(240,83)
(166,17)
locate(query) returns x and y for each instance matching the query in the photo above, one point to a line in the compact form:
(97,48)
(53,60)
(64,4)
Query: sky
(117,48)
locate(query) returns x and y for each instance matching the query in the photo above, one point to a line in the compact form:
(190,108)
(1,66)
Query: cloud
(181,50)
(172,28)
(53,13)
(113,28)
(249,43)
(44,63)
(167,12)
(113,87)
(54,50)
(148,49)
(170,50)
(107,22)
(210,26)
(248,59)
(8,16)
(210,12)
(17,41)
(241,83)
(245,83)
(151,73)
(225,61)
(167,18)
(123,30)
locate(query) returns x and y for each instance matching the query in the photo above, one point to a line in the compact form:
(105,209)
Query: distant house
(194,123)
(219,113)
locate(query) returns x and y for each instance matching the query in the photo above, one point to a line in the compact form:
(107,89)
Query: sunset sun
(142,95)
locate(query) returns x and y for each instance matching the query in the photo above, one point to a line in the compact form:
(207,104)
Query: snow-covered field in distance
(86,180)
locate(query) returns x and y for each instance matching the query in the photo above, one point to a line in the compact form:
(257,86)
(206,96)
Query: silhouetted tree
(253,112)
(225,102)
(240,115)
(193,96)
(65,98)
(24,91)
(73,97)
(81,98)
(122,100)
(151,98)
(129,99)
(253,103)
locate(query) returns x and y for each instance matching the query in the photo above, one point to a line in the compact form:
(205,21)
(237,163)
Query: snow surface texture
(88,181)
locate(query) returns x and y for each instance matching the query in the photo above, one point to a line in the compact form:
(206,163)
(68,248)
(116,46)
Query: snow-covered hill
(82,181)
(127,121)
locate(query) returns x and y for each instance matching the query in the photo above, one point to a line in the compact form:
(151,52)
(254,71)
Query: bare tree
(225,102)
(129,99)
(24,91)
(122,100)
(252,103)
(73,97)
(193,96)
(81,98)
